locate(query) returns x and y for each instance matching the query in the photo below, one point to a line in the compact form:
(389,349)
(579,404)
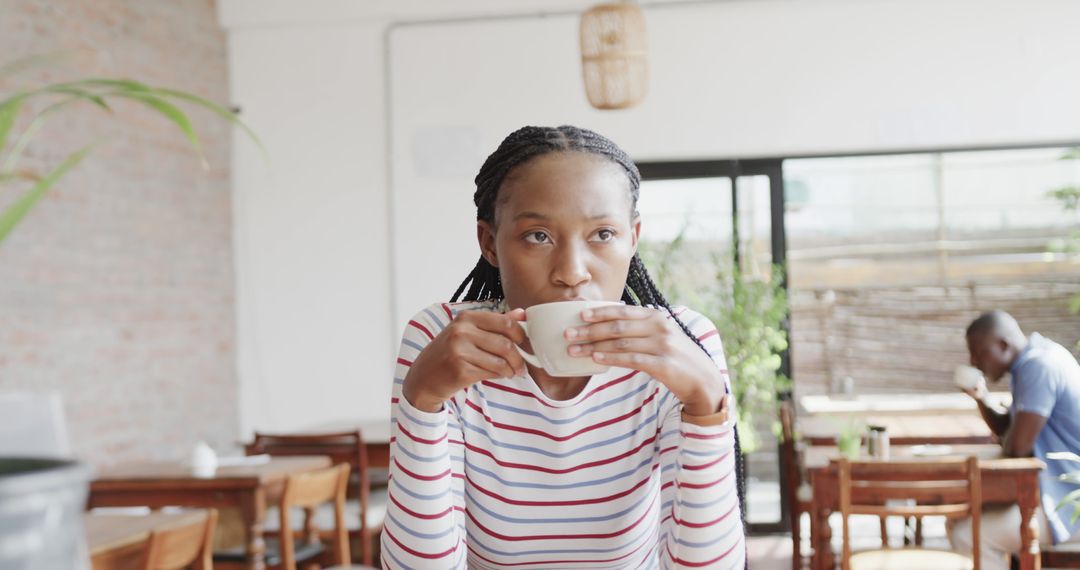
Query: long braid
(526,143)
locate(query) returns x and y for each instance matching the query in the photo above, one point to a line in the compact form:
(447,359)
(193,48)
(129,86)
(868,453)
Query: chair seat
(324,515)
(910,559)
(304,551)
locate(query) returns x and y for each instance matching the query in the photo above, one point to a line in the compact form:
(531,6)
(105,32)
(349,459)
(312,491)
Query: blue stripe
(534,520)
(434,424)
(411,344)
(435,319)
(474,469)
(424,535)
(474,539)
(449,425)
(537,414)
(420,496)
(421,458)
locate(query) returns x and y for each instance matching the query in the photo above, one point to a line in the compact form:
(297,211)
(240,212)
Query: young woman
(496,464)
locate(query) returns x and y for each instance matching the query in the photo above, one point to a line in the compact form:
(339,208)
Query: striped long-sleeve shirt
(505,477)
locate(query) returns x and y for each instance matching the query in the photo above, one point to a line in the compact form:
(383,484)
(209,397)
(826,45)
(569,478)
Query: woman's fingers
(501,347)
(613,329)
(642,345)
(501,324)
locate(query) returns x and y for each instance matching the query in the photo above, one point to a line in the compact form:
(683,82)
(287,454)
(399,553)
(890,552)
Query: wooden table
(118,542)
(1005,481)
(910,419)
(904,429)
(249,488)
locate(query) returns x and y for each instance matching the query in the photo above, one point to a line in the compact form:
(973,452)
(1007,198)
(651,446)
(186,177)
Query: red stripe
(422,328)
(682,562)
(700,436)
(545,562)
(403,361)
(686,524)
(713,332)
(620,532)
(703,485)
(420,477)
(668,449)
(544,434)
(449,313)
(394,400)
(417,552)
(530,467)
(707,465)
(537,398)
(598,500)
(415,514)
(420,439)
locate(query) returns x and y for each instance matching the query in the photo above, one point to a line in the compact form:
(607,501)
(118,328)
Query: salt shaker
(878,442)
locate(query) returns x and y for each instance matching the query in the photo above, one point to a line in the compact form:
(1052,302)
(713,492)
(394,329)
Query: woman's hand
(475,346)
(646,339)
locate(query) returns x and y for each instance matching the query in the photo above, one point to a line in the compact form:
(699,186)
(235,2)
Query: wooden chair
(1061,556)
(308,491)
(797,491)
(305,491)
(946,487)
(182,546)
(342,448)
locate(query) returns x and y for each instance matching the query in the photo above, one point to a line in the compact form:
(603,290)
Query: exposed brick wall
(117,290)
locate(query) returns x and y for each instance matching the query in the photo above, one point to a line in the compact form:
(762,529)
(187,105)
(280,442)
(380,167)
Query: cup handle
(531,359)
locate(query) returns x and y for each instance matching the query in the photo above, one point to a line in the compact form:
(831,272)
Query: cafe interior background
(907,164)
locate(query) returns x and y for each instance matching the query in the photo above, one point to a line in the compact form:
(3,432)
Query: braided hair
(484,283)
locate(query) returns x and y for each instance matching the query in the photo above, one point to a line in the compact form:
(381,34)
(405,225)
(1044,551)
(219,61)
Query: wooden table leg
(253,509)
(1028,489)
(823,546)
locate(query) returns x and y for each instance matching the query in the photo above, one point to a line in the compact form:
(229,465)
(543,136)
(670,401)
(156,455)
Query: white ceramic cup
(967,377)
(545,326)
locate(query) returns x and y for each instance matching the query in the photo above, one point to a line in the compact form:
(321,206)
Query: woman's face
(564,230)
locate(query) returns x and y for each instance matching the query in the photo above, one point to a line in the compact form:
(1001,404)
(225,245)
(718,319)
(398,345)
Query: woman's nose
(570,268)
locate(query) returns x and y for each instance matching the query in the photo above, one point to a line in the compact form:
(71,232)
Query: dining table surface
(118,541)
(248,484)
(909,419)
(1005,481)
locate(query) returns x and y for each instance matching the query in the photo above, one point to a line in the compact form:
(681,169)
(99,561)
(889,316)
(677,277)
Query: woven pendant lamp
(613,55)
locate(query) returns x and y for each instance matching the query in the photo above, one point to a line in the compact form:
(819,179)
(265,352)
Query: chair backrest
(309,490)
(341,447)
(943,487)
(182,546)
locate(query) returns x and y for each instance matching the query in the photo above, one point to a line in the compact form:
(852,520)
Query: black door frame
(732,169)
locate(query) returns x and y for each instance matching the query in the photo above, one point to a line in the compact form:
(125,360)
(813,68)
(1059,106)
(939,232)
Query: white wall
(730,79)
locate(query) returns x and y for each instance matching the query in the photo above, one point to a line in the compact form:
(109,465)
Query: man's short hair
(998,323)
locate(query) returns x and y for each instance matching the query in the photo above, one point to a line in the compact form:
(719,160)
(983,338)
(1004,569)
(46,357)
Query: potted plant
(43,526)
(59,98)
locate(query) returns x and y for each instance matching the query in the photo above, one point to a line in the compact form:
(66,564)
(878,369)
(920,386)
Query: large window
(890,257)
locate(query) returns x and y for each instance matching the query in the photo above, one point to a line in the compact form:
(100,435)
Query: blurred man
(1044,417)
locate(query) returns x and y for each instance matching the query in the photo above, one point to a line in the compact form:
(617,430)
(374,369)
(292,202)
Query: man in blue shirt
(1044,417)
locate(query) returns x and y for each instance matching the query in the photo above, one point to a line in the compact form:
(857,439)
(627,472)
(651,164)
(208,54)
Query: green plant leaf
(171,112)
(9,109)
(10,217)
(216,109)
(76,95)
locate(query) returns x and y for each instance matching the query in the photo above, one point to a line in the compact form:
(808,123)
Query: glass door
(704,225)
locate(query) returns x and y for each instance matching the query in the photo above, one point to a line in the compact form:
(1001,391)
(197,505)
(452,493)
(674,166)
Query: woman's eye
(604,235)
(537,237)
